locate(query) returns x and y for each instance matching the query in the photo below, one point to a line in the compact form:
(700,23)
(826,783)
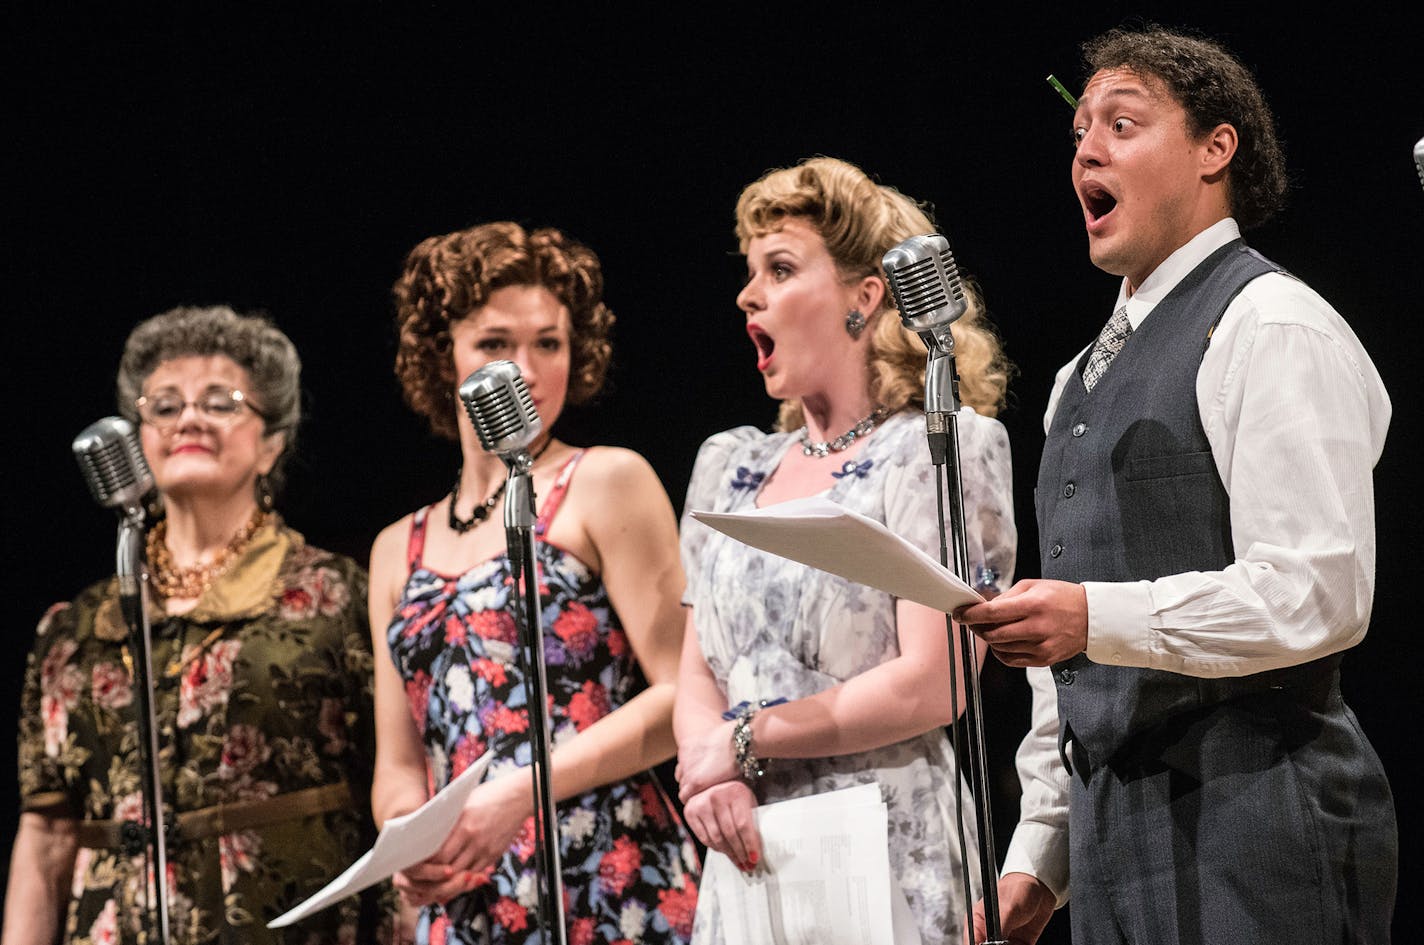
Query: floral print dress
(630,870)
(771,628)
(263,699)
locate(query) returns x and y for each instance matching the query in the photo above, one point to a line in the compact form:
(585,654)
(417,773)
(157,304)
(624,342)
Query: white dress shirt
(1296,416)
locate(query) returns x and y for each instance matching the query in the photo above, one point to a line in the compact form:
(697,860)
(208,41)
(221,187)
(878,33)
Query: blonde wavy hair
(859,221)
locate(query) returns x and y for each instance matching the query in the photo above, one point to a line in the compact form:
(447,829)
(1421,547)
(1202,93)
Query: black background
(287,159)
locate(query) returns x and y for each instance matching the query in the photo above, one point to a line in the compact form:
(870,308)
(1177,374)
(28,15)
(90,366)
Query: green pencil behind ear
(1067,96)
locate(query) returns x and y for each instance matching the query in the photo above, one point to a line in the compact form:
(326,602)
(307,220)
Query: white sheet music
(824,878)
(402,842)
(817,532)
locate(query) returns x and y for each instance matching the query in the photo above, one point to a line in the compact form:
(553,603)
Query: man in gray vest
(1206,517)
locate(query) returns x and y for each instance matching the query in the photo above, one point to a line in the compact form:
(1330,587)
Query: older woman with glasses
(261,677)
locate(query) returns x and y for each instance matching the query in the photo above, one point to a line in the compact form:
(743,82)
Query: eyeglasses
(219,406)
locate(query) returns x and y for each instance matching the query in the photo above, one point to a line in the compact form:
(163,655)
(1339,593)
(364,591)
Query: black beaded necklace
(482,511)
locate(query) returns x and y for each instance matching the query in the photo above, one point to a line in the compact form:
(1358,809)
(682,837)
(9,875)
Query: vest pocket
(1168,467)
(1174,515)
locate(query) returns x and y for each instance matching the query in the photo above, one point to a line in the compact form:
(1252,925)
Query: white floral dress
(771,628)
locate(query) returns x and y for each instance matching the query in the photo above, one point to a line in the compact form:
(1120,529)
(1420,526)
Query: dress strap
(415,548)
(556,494)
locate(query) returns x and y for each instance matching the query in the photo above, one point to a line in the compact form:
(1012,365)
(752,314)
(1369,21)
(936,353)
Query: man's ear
(1218,148)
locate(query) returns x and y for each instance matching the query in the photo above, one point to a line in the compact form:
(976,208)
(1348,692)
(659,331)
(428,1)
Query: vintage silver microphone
(502,410)
(925,283)
(111,458)
(1419,159)
(112,462)
(929,293)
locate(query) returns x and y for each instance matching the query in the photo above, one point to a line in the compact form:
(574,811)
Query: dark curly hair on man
(1215,88)
(448,277)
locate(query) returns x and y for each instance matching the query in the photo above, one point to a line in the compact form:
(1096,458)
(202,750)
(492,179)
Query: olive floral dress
(263,701)
(630,870)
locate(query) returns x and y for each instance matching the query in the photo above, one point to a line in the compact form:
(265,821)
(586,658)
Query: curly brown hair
(446,278)
(859,221)
(1214,88)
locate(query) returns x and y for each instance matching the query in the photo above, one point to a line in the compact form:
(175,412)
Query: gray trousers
(1264,819)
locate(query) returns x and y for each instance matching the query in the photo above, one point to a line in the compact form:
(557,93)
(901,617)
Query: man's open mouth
(1097,201)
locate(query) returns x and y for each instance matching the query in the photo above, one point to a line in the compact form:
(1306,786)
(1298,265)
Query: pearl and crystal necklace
(827,447)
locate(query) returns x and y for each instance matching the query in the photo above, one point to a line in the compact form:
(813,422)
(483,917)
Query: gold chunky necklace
(189,583)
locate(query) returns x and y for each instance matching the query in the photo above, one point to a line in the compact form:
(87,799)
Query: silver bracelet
(752,767)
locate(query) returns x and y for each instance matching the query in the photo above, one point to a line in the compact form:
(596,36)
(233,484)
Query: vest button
(1066,676)
(1068,490)
(1080,428)
(1056,550)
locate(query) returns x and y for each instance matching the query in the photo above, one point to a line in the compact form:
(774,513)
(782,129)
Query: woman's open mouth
(765,344)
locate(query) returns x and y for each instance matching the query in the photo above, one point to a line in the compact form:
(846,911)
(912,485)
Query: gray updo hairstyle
(251,341)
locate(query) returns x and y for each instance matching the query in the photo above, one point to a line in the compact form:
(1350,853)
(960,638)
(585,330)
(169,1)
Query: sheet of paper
(817,532)
(824,877)
(403,841)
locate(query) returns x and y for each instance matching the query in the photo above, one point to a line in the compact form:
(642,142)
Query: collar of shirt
(1173,269)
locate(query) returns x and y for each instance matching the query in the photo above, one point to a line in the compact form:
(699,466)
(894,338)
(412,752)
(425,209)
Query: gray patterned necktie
(1109,343)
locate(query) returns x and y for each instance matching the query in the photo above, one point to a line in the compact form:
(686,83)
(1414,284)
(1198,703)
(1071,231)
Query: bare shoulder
(606,469)
(388,569)
(388,550)
(617,494)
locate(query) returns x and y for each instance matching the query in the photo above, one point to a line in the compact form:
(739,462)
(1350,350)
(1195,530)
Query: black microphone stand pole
(132,572)
(519,536)
(942,432)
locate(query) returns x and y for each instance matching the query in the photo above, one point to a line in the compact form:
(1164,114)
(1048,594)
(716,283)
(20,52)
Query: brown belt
(226,818)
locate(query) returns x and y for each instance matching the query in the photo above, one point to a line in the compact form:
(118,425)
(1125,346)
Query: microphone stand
(942,432)
(132,572)
(519,537)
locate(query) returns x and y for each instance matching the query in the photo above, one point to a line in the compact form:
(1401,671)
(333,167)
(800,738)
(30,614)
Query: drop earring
(265,499)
